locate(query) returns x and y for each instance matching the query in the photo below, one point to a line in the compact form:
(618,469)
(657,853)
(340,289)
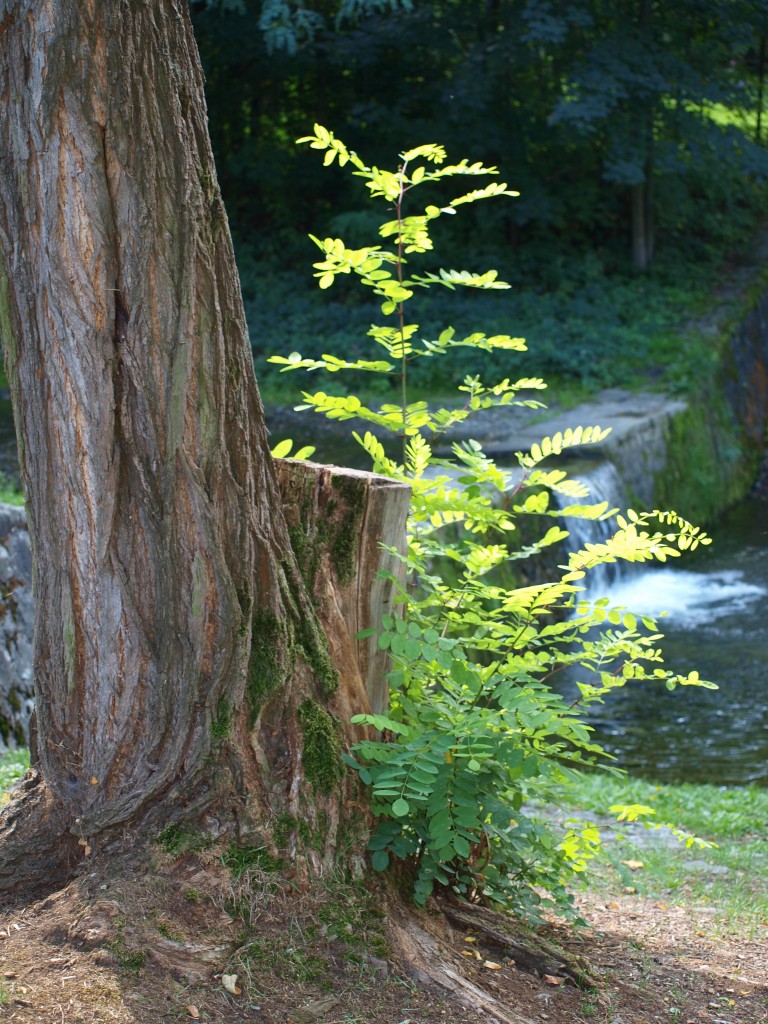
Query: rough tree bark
(181,669)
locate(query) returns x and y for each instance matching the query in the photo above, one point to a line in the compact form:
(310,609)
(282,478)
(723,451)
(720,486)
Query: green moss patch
(322,756)
(222,722)
(708,466)
(310,641)
(178,838)
(269,661)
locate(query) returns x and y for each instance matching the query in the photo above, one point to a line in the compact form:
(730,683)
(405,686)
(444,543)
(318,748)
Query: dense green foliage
(594,110)
(476,726)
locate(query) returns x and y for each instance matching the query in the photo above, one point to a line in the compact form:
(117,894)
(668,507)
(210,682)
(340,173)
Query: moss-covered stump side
(342,523)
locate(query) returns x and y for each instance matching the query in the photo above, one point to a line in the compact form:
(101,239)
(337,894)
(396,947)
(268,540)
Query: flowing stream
(710,605)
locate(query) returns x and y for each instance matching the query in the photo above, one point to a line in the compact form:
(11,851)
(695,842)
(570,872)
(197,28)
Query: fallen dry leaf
(633,865)
(311,1011)
(491,965)
(229,981)
(552,980)
(193,1011)
(470,938)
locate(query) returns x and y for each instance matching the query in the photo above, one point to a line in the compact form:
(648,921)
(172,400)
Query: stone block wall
(16,628)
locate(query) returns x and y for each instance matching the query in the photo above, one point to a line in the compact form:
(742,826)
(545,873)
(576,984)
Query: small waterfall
(604,484)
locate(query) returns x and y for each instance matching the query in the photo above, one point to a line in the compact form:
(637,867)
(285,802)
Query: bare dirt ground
(184,941)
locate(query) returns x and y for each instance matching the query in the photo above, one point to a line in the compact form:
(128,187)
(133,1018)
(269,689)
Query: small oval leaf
(282,448)
(400,808)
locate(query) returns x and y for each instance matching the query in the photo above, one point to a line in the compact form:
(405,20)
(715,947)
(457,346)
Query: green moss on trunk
(323,749)
(270,661)
(310,641)
(222,722)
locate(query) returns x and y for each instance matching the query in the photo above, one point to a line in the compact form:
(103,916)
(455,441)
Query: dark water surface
(718,624)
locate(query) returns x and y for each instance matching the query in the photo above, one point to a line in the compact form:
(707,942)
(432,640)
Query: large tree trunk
(179,662)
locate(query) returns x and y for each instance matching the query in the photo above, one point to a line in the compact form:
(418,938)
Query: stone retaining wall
(16,628)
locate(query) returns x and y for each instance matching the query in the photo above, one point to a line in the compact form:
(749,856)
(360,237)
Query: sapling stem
(401,312)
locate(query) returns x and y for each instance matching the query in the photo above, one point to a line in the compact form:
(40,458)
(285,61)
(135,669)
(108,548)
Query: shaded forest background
(634,131)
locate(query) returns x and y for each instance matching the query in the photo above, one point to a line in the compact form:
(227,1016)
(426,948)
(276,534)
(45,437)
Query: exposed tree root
(38,852)
(420,939)
(425,960)
(531,952)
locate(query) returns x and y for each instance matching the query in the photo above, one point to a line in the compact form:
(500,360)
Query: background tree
(620,123)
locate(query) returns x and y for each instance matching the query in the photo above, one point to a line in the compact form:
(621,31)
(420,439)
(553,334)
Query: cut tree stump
(347,529)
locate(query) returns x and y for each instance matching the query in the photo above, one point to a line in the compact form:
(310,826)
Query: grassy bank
(726,885)
(586,329)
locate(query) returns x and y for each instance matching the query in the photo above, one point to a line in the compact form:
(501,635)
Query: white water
(689,599)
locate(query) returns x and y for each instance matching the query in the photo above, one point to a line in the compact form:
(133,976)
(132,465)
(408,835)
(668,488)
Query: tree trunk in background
(639,210)
(179,662)
(761,60)
(642,219)
(643,228)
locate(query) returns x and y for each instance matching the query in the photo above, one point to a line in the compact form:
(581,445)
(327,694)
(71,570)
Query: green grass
(337,929)
(13,764)
(8,494)
(730,879)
